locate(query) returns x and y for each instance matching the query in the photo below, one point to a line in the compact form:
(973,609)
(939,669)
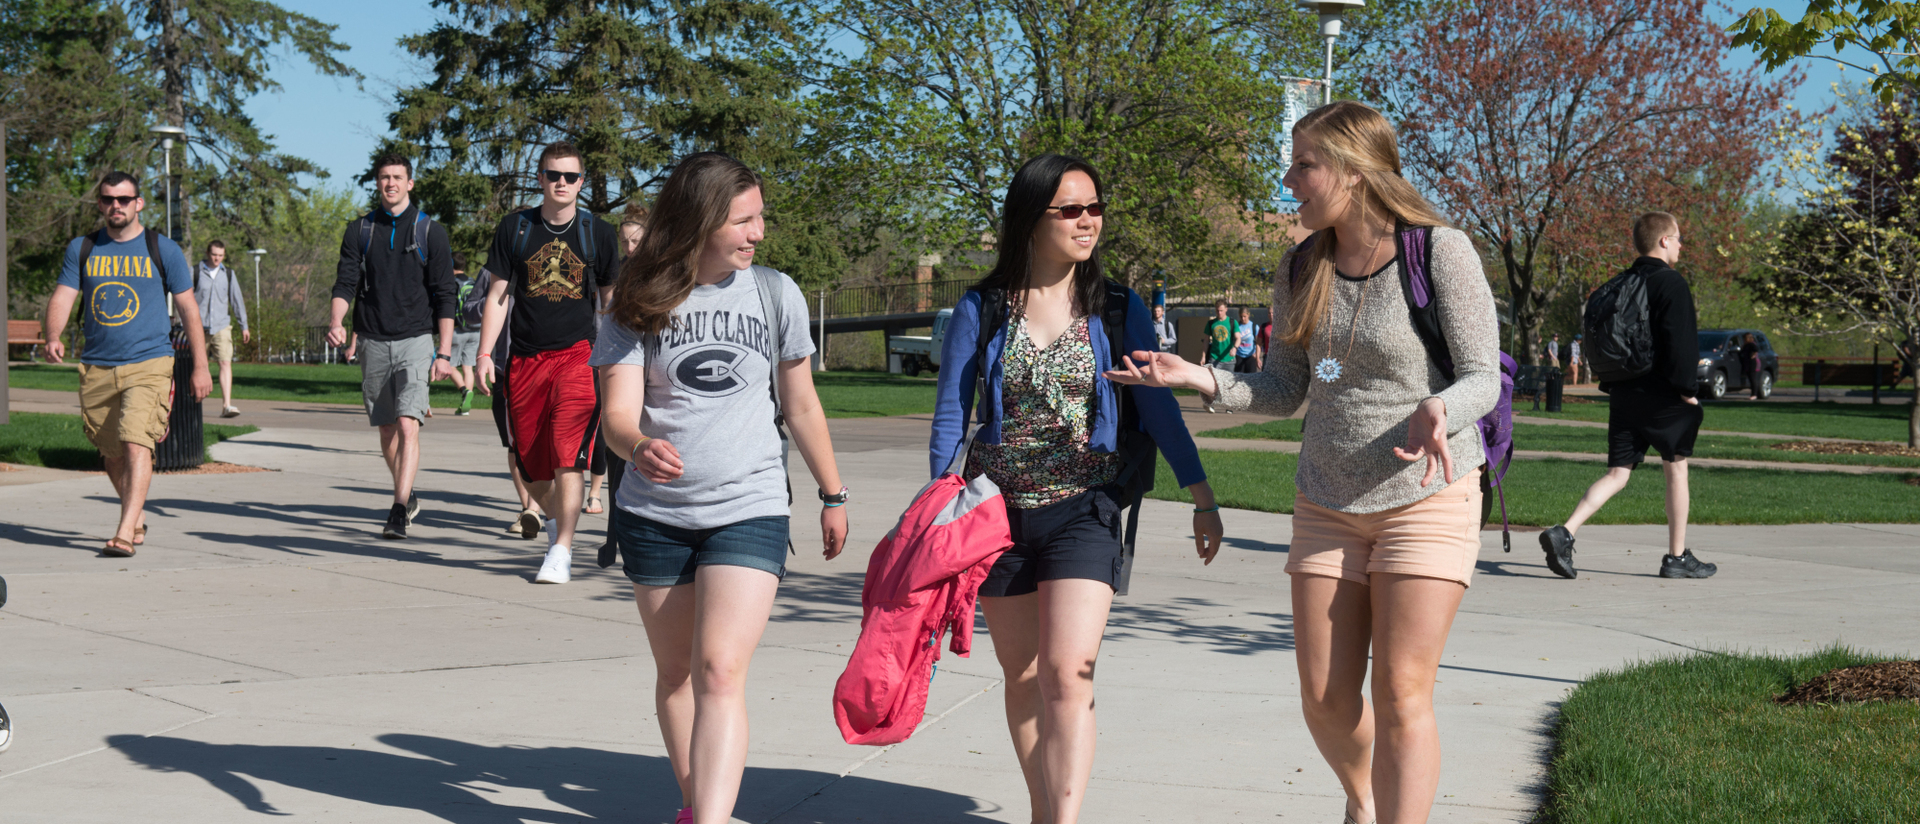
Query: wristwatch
(839,498)
(448,358)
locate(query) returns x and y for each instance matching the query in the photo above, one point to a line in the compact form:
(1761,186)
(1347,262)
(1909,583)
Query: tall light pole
(167,135)
(1332,14)
(256,281)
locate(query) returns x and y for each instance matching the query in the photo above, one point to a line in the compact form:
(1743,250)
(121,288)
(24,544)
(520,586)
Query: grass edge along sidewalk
(56,441)
(1542,492)
(1699,740)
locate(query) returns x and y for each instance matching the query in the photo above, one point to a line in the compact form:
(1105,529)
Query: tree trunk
(1526,318)
(1913,417)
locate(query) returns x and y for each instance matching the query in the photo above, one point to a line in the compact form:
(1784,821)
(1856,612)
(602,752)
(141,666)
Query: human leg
(1013,622)
(1597,496)
(1072,620)
(137,471)
(1678,502)
(731,607)
(400,445)
(1411,618)
(1332,627)
(668,615)
(565,493)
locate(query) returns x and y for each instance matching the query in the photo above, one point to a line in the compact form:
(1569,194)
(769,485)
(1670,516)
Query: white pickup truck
(919,353)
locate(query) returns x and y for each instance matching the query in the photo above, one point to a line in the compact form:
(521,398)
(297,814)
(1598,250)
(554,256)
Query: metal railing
(889,299)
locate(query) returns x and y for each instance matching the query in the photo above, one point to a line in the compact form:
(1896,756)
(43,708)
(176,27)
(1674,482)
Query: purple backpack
(1414,254)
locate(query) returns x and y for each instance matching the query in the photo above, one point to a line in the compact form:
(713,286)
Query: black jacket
(1676,333)
(401,297)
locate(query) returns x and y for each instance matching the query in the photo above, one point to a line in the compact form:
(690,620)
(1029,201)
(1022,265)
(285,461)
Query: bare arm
(59,308)
(493,316)
(808,421)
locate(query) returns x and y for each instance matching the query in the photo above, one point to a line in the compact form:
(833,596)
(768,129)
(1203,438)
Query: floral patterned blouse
(1047,397)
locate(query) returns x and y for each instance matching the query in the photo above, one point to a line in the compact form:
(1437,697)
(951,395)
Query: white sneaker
(558,568)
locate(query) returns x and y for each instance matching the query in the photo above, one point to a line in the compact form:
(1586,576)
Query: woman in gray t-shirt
(688,354)
(1386,526)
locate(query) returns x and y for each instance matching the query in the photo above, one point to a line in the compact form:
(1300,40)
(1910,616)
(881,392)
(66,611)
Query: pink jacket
(922,580)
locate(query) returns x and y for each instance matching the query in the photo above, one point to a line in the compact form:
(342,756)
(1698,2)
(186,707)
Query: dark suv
(1720,370)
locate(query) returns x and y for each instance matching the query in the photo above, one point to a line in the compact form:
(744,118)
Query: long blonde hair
(1352,138)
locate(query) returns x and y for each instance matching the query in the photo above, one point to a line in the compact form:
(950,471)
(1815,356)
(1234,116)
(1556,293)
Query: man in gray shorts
(466,334)
(396,275)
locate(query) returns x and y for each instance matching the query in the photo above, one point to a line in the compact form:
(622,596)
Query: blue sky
(336,125)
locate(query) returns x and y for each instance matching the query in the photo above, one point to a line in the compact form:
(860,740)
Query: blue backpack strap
(421,226)
(520,233)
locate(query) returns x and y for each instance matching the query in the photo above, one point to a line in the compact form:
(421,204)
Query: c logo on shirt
(114,303)
(711,371)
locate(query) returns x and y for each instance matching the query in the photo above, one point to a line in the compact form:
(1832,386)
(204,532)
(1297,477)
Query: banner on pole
(1299,95)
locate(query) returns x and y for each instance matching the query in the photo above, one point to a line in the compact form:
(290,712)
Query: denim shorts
(1075,538)
(654,554)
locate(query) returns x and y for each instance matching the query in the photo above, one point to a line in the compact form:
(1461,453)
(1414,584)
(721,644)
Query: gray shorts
(466,348)
(393,378)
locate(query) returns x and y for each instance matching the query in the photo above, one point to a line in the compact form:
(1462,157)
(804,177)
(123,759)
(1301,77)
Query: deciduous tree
(1543,126)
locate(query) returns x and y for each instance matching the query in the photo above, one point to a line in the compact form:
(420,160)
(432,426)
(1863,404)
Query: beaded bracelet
(1199,511)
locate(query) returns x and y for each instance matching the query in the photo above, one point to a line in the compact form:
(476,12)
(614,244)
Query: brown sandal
(139,535)
(117,548)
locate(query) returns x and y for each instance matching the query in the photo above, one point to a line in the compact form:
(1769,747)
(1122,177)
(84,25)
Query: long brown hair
(662,271)
(1352,139)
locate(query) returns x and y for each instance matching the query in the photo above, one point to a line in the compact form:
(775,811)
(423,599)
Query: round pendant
(1327,370)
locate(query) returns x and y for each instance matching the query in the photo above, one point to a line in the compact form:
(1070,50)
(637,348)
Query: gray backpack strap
(769,284)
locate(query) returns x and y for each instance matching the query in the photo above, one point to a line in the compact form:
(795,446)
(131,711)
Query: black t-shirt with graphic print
(553,291)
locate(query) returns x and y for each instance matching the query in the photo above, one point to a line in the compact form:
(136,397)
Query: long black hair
(1028,197)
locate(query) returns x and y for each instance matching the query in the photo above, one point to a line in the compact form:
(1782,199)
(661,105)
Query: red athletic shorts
(552,406)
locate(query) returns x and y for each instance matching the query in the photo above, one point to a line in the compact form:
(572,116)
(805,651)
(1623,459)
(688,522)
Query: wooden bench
(27,333)
(1889,373)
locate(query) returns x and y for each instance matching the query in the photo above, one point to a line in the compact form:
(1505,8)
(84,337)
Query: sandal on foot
(594,506)
(139,535)
(117,548)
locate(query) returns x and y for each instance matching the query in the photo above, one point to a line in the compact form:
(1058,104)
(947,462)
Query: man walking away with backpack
(466,332)
(396,275)
(553,260)
(217,292)
(1641,337)
(127,273)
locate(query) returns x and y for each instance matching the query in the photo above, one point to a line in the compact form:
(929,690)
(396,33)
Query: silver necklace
(564,226)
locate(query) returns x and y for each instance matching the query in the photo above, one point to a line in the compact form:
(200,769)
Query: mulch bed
(1831,448)
(215,468)
(1889,681)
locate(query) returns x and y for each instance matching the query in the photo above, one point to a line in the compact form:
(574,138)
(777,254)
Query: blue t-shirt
(123,296)
(1245,348)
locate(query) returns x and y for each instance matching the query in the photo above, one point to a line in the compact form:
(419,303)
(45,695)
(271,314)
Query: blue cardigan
(959,363)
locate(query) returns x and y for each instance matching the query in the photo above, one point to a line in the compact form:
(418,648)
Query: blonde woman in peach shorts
(1386,528)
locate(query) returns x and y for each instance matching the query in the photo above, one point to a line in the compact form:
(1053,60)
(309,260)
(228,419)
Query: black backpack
(1619,333)
(472,300)
(1138,453)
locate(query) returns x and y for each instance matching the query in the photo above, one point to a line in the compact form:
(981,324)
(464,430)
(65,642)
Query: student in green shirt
(1221,339)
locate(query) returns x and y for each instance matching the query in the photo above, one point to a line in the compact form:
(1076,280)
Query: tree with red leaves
(1544,126)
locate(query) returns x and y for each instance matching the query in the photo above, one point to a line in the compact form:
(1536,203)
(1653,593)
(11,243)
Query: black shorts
(1075,538)
(1639,420)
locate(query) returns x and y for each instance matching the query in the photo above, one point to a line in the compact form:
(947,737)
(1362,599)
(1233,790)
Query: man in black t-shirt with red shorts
(557,259)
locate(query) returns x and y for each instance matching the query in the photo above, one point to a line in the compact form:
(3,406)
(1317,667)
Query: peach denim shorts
(1436,537)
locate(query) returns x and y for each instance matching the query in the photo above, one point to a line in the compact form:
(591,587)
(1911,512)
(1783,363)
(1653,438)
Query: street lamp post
(1332,15)
(256,282)
(167,135)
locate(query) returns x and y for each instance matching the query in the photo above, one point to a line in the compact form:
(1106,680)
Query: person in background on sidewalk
(217,292)
(466,334)
(1163,329)
(1573,361)
(1655,410)
(401,292)
(553,261)
(1246,354)
(1386,530)
(633,227)
(704,510)
(1220,335)
(126,371)
(1553,352)
(1750,365)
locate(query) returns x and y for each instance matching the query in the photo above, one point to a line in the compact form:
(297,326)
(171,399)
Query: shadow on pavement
(461,782)
(40,536)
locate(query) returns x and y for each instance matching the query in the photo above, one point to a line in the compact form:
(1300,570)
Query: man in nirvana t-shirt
(556,259)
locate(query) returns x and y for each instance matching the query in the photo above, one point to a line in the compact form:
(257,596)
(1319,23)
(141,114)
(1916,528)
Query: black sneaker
(6,730)
(413,507)
(396,522)
(1558,543)
(1685,565)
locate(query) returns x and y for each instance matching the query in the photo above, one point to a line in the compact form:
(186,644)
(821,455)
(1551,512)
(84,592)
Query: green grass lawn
(1698,740)
(1859,421)
(844,394)
(1546,438)
(1542,492)
(56,441)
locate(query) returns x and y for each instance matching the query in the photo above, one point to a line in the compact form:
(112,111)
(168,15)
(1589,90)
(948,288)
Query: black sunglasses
(120,200)
(1072,211)
(553,176)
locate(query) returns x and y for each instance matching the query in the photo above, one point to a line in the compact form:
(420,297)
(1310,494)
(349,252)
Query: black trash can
(186,445)
(1555,383)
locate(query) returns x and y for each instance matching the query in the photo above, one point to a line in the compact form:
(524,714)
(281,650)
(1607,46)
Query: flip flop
(117,548)
(140,535)
(594,506)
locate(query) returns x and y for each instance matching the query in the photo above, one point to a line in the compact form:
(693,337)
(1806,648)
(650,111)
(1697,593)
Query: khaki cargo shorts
(220,345)
(126,404)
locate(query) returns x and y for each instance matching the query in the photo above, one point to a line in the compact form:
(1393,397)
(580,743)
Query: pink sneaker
(685,816)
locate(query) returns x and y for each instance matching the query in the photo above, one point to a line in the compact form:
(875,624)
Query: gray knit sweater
(1354,422)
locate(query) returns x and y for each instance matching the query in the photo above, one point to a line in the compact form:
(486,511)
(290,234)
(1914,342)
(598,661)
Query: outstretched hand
(1162,370)
(1427,438)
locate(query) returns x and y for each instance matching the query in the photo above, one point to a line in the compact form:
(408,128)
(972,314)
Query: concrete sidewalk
(268,654)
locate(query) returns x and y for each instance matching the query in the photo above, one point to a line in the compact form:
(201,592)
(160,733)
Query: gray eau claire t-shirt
(707,394)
